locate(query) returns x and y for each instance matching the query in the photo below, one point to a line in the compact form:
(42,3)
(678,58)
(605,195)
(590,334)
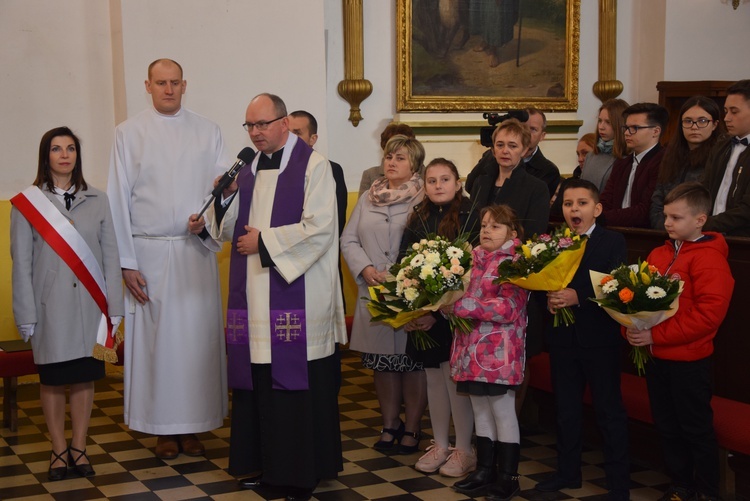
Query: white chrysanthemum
(427,272)
(610,286)
(432,258)
(410,294)
(655,292)
(538,248)
(454,252)
(417,261)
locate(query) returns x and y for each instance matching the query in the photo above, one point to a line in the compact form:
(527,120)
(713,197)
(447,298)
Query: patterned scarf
(605,146)
(380,195)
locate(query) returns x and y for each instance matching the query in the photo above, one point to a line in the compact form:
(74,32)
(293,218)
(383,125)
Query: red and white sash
(64,239)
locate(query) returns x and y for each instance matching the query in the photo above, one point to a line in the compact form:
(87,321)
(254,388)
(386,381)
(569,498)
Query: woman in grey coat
(51,305)
(370,245)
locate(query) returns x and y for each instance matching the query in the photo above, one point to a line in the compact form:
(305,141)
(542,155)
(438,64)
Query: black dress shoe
(250,482)
(83,469)
(60,472)
(298,494)
(556,483)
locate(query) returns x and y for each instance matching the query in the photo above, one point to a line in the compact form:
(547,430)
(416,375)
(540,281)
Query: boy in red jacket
(679,376)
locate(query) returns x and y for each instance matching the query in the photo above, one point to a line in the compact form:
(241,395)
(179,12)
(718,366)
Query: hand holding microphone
(245,157)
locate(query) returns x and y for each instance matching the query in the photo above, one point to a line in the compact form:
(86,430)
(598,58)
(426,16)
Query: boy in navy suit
(588,352)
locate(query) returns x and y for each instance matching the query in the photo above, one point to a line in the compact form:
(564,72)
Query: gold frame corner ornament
(406,100)
(354,88)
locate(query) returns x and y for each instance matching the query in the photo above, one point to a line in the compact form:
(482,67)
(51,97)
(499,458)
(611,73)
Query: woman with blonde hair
(370,245)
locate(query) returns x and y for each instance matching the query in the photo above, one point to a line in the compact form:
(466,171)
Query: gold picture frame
(541,70)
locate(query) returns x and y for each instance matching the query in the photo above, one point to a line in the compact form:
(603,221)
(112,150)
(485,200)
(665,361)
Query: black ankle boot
(485,474)
(506,486)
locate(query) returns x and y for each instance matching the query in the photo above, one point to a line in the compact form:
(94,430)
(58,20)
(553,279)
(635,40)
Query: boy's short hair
(695,195)
(741,87)
(572,183)
(656,114)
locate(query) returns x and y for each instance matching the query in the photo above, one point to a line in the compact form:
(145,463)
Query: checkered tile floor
(126,468)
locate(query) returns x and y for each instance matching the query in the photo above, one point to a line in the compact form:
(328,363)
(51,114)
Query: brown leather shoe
(191,446)
(167,447)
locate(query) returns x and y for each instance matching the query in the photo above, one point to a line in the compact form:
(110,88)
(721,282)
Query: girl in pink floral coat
(488,363)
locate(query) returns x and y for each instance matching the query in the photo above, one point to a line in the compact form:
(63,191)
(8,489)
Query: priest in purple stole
(284,313)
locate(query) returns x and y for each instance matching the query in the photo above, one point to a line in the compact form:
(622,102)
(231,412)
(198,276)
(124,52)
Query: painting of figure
(476,55)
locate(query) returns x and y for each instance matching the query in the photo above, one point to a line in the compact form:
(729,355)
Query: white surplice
(161,170)
(309,247)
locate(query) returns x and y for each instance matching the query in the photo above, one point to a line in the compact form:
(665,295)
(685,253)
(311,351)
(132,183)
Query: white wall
(707,40)
(55,69)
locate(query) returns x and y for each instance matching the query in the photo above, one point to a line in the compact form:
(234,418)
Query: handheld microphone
(245,157)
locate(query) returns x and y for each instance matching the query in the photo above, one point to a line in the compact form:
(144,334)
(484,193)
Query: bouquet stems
(640,355)
(460,325)
(422,341)
(564,316)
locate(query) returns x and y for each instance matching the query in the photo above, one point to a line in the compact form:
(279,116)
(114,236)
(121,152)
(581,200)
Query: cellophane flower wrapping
(434,274)
(637,296)
(546,262)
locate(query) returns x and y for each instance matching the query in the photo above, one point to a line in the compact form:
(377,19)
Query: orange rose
(626,295)
(607,279)
(652,268)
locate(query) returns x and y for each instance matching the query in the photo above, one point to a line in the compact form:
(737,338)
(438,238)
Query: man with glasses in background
(285,310)
(163,163)
(626,198)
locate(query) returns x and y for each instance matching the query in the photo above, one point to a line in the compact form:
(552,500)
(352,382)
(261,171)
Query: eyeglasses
(633,129)
(248,126)
(701,123)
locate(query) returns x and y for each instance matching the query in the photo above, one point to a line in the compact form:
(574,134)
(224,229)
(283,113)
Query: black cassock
(292,437)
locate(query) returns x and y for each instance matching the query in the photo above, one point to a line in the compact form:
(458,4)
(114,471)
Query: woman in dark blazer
(509,183)
(51,305)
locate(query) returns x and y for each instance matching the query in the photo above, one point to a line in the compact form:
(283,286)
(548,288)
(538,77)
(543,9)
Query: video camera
(485,133)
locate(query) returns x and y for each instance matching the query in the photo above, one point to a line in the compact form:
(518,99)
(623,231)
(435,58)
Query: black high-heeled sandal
(386,445)
(409,449)
(84,470)
(60,472)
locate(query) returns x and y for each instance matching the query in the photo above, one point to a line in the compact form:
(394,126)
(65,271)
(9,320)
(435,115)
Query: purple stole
(287,300)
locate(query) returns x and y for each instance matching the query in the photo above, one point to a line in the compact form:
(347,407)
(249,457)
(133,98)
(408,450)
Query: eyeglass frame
(627,128)
(261,126)
(695,122)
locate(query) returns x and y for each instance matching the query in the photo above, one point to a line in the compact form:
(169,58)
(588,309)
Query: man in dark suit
(626,198)
(588,353)
(304,124)
(724,178)
(535,162)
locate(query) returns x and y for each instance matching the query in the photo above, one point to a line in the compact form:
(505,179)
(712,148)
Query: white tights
(495,417)
(444,402)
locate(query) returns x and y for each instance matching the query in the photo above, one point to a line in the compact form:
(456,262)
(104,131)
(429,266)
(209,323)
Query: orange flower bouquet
(637,296)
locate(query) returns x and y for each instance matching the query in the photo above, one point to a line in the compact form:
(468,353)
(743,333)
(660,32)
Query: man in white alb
(163,164)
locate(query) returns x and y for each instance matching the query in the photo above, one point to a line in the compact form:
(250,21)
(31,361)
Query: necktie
(736,140)
(69,197)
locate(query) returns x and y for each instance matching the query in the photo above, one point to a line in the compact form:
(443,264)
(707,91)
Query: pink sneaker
(433,459)
(459,463)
